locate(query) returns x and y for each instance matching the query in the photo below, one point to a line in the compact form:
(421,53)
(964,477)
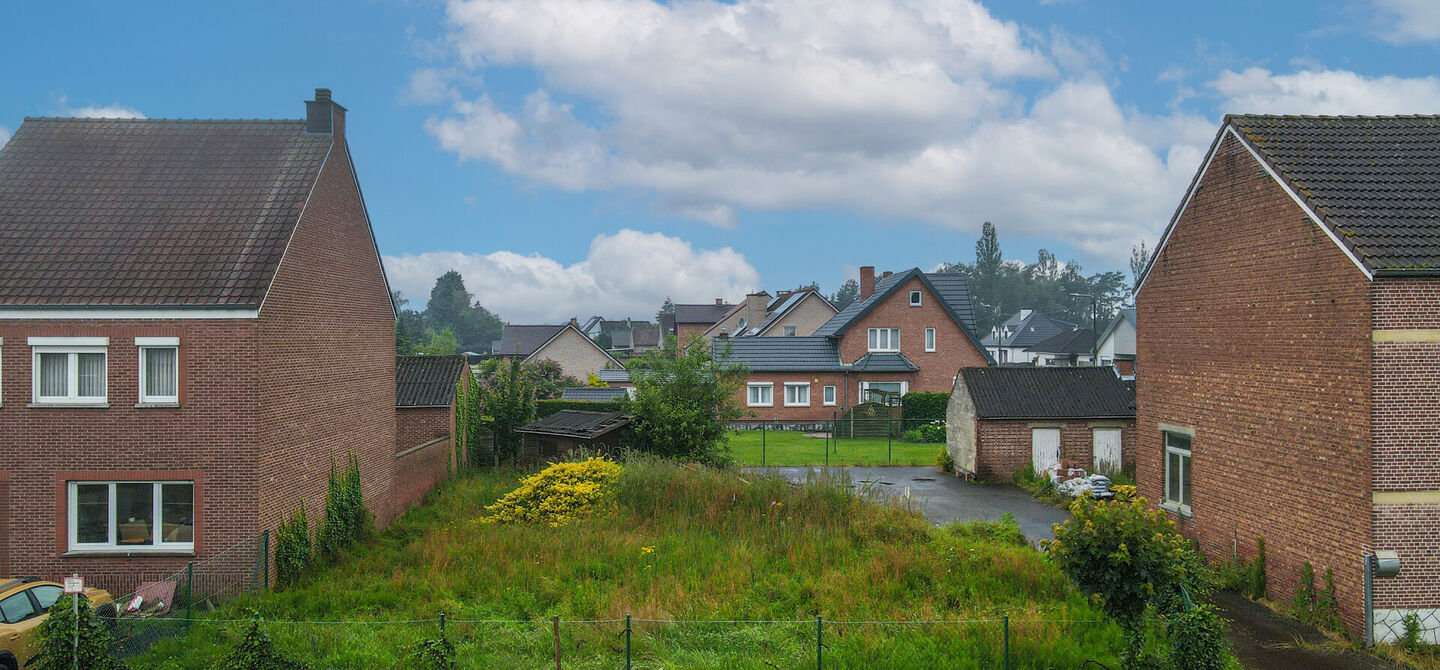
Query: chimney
(755,304)
(719,301)
(885,274)
(323,116)
(574,323)
(1024,312)
(867,281)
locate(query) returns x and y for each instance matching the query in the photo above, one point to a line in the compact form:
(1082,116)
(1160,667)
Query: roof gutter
(1408,272)
(185,311)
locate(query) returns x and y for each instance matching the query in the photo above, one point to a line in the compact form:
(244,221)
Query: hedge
(544,408)
(917,406)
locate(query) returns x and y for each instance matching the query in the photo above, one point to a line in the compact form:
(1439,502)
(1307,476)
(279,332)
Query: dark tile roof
(1028,330)
(780,354)
(427,381)
(1080,341)
(953,289)
(1375,180)
(645,336)
(705,314)
(620,339)
(884,362)
(667,323)
(150,212)
(523,340)
(592,394)
(1048,393)
(577,423)
(613,376)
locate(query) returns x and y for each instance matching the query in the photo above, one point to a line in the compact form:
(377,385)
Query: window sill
(759,405)
(69,405)
(1177,509)
(788,404)
(120,553)
(153,405)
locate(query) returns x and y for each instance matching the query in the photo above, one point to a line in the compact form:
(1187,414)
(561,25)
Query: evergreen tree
(452,306)
(1139,258)
(848,292)
(668,307)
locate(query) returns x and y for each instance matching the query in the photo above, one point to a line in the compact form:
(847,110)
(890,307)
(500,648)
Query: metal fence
(637,642)
(837,441)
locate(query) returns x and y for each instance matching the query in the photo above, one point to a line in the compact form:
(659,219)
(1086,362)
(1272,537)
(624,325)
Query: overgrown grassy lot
(788,447)
(682,542)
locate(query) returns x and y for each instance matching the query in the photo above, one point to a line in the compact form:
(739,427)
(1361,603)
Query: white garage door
(1107,449)
(1044,447)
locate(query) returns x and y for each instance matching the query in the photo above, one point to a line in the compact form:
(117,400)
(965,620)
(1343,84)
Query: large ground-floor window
(1177,471)
(132,516)
(885,393)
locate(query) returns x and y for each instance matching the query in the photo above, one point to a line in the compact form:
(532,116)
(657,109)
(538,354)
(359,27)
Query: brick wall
(213,434)
(1004,446)
(327,352)
(1254,332)
(953,349)
(847,390)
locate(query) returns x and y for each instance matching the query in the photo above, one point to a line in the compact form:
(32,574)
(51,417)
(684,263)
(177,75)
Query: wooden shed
(559,435)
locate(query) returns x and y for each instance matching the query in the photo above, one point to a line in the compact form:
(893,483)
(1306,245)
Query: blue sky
(575,158)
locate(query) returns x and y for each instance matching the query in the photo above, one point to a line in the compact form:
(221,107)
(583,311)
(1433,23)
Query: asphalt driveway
(944,498)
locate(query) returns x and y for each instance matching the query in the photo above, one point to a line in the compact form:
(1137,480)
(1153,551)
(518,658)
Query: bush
(292,548)
(933,431)
(916,406)
(507,395)
(684,403)
(345,514)
(944,461)
(1411,641)
(255,651)
(1005,531)
(1256,588)
(1302,604)
(544,408)
(559,494)
(55,640)
(1197,640)
(435,653)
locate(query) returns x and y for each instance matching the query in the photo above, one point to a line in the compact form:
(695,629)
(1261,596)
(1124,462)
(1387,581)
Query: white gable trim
(560,332)
(1195,186)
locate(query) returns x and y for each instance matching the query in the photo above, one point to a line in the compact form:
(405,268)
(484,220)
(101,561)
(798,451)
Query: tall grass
(688,543)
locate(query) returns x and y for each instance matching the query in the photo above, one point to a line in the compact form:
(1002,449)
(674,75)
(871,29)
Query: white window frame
(146,345)
(1186,454)
(74,346)
(828,395)
(915,298)
(892,339)
(790,331)
(750,398)
(797,385)
(930,339)
(114,546)
(865,386)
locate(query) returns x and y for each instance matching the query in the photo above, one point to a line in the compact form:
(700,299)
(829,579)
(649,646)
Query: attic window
(914,298)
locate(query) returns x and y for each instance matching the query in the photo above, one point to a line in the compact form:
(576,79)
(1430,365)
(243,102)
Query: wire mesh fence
(838,441)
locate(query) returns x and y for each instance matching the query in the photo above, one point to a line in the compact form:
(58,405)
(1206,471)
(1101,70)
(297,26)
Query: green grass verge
(683,542)
(788,447)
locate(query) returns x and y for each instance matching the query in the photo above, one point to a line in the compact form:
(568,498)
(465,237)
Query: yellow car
(24,603)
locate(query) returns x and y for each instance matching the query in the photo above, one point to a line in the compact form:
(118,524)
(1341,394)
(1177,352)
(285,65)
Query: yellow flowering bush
(1124,492)
(559,494)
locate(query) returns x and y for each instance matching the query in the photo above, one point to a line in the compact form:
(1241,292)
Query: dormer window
(914,298)
(884,339)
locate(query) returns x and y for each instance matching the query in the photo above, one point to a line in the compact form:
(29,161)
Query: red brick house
(425,392)
(1002,419)
(194,325)
(1289,324)
(907,331)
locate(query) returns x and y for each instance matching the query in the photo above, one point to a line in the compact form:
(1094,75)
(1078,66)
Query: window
(69,370)
(884,339)
(914,298)
(47,594)
(790,331)
(828,396)
(132,516)
(760,394)
(17,608)
(929,339)
(159,370)
(885,393)
(1177,471)
(797,394)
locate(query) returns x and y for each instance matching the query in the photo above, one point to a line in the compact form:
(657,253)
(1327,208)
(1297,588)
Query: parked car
(24,603)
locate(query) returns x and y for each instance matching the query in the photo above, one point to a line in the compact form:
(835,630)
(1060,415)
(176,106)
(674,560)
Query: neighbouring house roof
(518,340)
(786,305)
(1079,341)
(578,424)
(587,393)
(667,323)
(952,289)
(1048,393)
(1027,330)
(427,381)
(884,362)
(703,314)
(779,354)
(613,376)
(645,336)
(620,339)
(150,212)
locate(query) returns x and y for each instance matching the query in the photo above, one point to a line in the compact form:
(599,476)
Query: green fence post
(442,624)
(1007,642)
(189,592)
(889,440)
(819,642)
(627,642)
(762,444)
(265,557)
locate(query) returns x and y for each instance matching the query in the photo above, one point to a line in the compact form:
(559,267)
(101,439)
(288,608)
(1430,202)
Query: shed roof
(579,424)
(1048,393)
(592,394)
(1079,341)
(427,381)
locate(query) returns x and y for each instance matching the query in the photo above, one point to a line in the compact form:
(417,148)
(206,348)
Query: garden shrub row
(916,406)
(544,408)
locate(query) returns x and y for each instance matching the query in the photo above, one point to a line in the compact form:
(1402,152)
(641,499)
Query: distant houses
(577,355)
(1009,341)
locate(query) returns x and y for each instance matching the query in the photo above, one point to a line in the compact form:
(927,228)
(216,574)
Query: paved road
(944,498)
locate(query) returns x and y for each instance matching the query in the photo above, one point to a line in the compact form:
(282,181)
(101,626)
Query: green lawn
(788,447)
(721,550)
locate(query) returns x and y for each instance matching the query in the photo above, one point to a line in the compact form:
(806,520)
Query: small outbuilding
(568,431)
(424,422)
(1001,419)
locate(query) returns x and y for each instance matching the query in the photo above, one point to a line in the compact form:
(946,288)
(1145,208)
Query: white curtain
(160,369)
(92,375)
(53,374)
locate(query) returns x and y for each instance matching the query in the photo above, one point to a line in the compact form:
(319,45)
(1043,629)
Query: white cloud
(4,135)
(629,273)
(428,86)
(100,111)
(1258,90)
(1406,21)
(893,109)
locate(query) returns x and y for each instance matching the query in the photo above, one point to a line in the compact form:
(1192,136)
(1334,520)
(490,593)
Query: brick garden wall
(1254,331)
(418,470)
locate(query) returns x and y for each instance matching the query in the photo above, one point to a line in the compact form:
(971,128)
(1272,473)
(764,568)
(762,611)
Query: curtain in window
(160,372)
(92,375)
(53,374)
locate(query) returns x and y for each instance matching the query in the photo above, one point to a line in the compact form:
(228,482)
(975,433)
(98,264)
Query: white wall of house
(1120,341)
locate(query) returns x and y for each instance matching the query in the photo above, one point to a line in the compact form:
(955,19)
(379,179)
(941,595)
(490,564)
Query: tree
(848,292)
(409,326)
(442,343)
(987,252)
(508,396)
(668,307)
(1139,258)
(812,286)
(452,306)
(683,403)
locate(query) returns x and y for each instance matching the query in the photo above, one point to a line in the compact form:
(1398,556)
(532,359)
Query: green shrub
(434,653)
(1197,640)
(255,651)
(55,640)
(346,518)
(916,406)
(933,431)
(292,548)
(544,408)
(684,403)
(1411,640)
(1302,604)
(944,461)
(913,436)
(1005,531)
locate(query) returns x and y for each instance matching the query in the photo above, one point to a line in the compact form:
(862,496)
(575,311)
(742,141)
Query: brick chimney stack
(719,301)
(323,116)
(867,281)
(755,304)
